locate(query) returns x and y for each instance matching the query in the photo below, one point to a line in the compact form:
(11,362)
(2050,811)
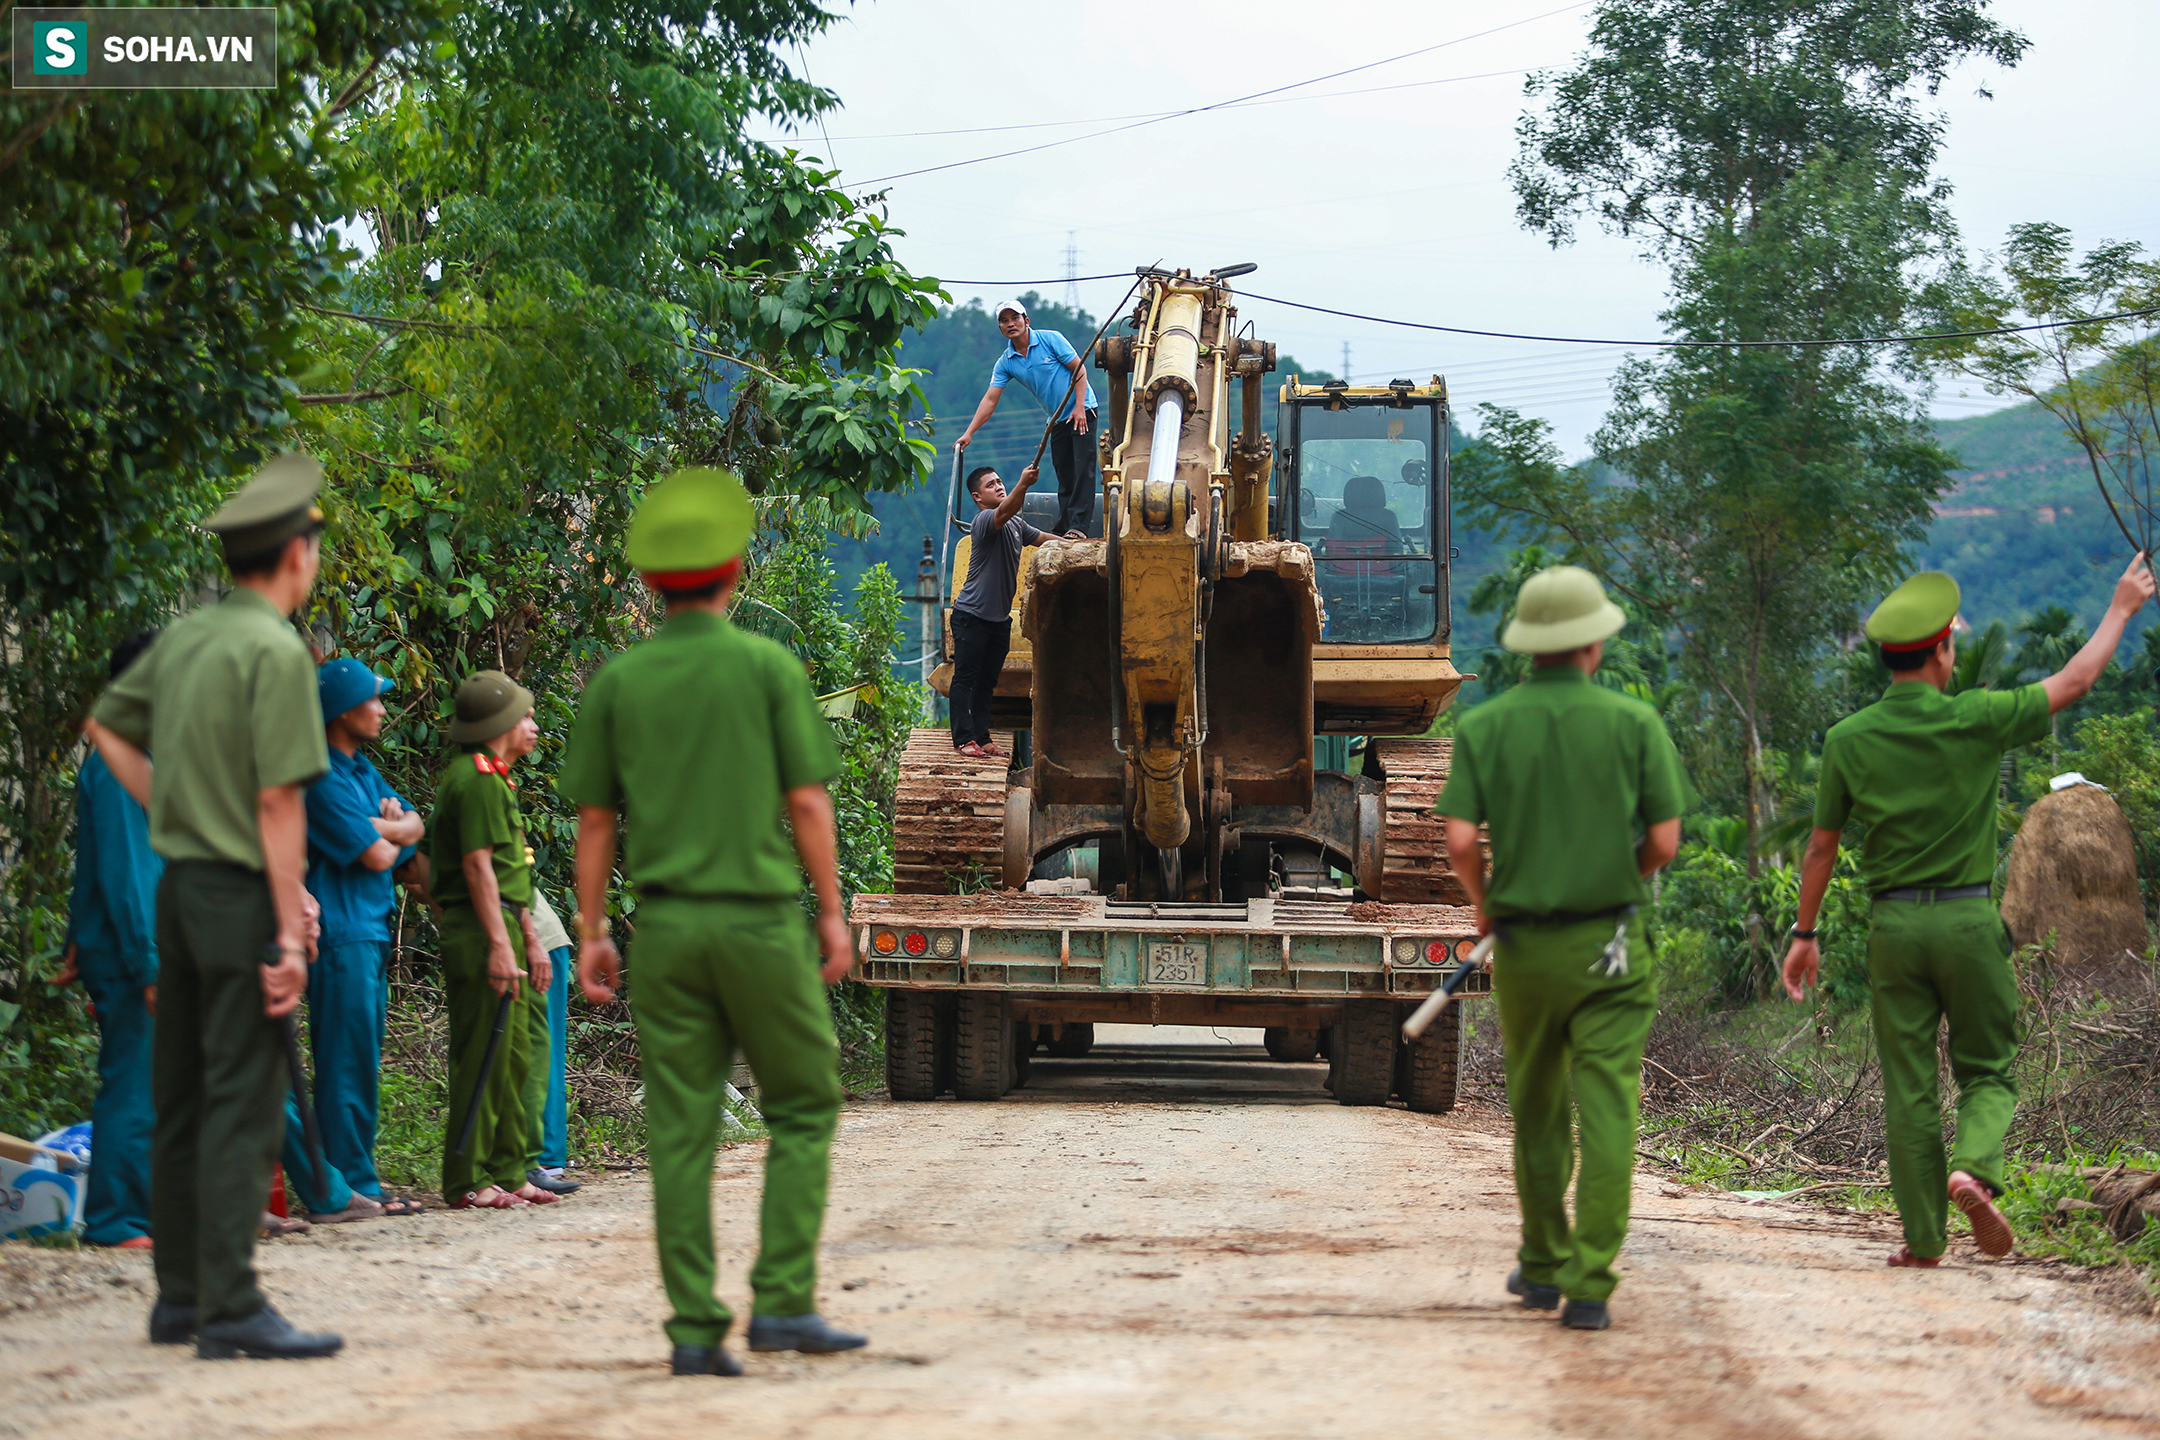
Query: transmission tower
(1072,270)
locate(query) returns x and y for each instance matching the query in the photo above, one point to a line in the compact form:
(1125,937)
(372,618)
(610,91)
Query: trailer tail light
(1406,951)
(1437,952)
(945,947)
(1464,947)
(884,942)
(915,942)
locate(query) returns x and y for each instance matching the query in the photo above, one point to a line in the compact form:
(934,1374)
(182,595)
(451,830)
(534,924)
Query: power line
(1709,344)
(1219,104)
(1173,114)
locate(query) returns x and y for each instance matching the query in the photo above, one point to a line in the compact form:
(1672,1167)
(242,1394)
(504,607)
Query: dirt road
(1198,1246)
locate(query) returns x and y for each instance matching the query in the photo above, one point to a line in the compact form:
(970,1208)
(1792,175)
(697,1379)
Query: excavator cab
(1363,473)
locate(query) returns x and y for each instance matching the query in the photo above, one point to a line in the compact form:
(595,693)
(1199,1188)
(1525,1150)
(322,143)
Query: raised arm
(1010,505)
(2075,680)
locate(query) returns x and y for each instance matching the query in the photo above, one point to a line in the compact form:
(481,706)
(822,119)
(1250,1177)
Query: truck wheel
(911,1068)
(982,1047)
(1433,1062)
(1074,1043)
(1364,1068)
(948,1006)
(1292,1047)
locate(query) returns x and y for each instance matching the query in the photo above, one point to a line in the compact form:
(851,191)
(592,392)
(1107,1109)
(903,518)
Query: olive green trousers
(1929,961)
(218,1078)
(1574,1043)
(496,1155)
(706,976)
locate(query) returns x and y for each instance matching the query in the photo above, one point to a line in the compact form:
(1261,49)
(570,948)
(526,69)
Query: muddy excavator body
(1217,807)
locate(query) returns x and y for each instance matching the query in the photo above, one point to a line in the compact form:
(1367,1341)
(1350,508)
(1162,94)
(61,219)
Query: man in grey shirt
(982,614)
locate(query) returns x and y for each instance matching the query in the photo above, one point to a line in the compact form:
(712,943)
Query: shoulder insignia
(480,763)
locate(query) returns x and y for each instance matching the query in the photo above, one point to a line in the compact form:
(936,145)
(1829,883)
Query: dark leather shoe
(264,1335)
(807,1333)
(1534,1297)
(541,1180)
(1586,1315)
(705,1360)
(171,1324)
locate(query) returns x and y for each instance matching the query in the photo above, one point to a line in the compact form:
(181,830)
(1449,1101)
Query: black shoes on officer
(1579,1314)
(705,1360)
(555,1184)
(264,1335)
(1586,1315)
(807,1333)
(1534,1297)
(171,1324)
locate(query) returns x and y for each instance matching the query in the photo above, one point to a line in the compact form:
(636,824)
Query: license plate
(1177,965)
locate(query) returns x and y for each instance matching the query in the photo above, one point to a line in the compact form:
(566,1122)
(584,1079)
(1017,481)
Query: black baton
(487,1064)
(296,1068)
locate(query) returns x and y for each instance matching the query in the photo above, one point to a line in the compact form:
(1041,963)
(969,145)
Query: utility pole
(926,595)
(1072,270)
(1346,362)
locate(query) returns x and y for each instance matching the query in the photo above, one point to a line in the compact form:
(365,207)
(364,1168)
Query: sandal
(395,1206)
(1988,1226)
(532,1194)
(497,1199)
(1905,1259)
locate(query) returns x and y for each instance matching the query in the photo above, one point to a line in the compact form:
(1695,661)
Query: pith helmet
(277,504)
(695,520)
(1563,608)
(488,703)
(1916,615)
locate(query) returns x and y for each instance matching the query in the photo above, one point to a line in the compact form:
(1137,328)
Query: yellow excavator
(1217,809)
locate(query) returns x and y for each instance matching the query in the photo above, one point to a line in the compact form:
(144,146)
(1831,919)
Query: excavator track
(1416,870)
(948,816)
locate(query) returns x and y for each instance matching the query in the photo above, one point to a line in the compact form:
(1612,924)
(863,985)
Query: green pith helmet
(488,704)
(1563,608)
(693,521)
(1917,614)
(277,504)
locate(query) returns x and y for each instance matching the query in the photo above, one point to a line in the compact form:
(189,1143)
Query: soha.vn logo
(60,47)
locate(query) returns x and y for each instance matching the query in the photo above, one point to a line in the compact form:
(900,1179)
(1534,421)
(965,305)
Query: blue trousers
(124,1117)
(551,1119)
(348,1004)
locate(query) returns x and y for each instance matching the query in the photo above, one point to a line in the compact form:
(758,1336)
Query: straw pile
(2073,872)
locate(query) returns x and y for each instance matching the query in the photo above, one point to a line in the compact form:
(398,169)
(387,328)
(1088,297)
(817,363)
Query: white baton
(1437,1001)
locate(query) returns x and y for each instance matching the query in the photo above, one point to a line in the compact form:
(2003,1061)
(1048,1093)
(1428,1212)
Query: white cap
(1004,305)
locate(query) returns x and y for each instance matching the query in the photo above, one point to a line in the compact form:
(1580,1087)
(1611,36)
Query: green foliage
(2082,1237)
(1738,922)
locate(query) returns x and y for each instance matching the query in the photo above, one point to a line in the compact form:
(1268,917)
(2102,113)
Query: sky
(1382,192)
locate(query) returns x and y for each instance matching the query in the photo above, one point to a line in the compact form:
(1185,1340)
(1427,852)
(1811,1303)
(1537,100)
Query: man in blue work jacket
(1046,363)
(359,831)
(112,949)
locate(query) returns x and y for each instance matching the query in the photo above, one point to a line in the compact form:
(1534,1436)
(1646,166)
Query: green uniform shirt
(1568,775)
(697,734)
(475,809)
(226,702)
(1920,769)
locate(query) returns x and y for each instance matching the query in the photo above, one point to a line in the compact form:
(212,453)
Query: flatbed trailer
(975,982)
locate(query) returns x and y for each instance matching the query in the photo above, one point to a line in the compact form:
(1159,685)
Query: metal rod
(1163,444)
(309,1125)
(487,1065)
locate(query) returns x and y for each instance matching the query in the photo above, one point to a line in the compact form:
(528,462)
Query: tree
(158,247)
(1771,151)
(2100,377)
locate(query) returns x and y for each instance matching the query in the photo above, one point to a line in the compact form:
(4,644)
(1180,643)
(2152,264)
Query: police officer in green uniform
(703,738)
(1582,790)
(1919,769)
(482,879)
(226,701)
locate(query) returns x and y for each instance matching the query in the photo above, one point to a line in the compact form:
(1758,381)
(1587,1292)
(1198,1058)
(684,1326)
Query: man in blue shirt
(112,949)
(359,830)
(1047,364)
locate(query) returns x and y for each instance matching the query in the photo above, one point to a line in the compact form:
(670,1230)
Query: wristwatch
(1799,934)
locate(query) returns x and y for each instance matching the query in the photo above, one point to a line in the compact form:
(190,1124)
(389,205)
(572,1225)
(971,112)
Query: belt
(1922,895)
(1569,917)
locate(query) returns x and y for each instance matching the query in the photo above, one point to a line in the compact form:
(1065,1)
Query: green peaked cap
(693,519)
(1561,608)
(275,505)
(1922,606)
